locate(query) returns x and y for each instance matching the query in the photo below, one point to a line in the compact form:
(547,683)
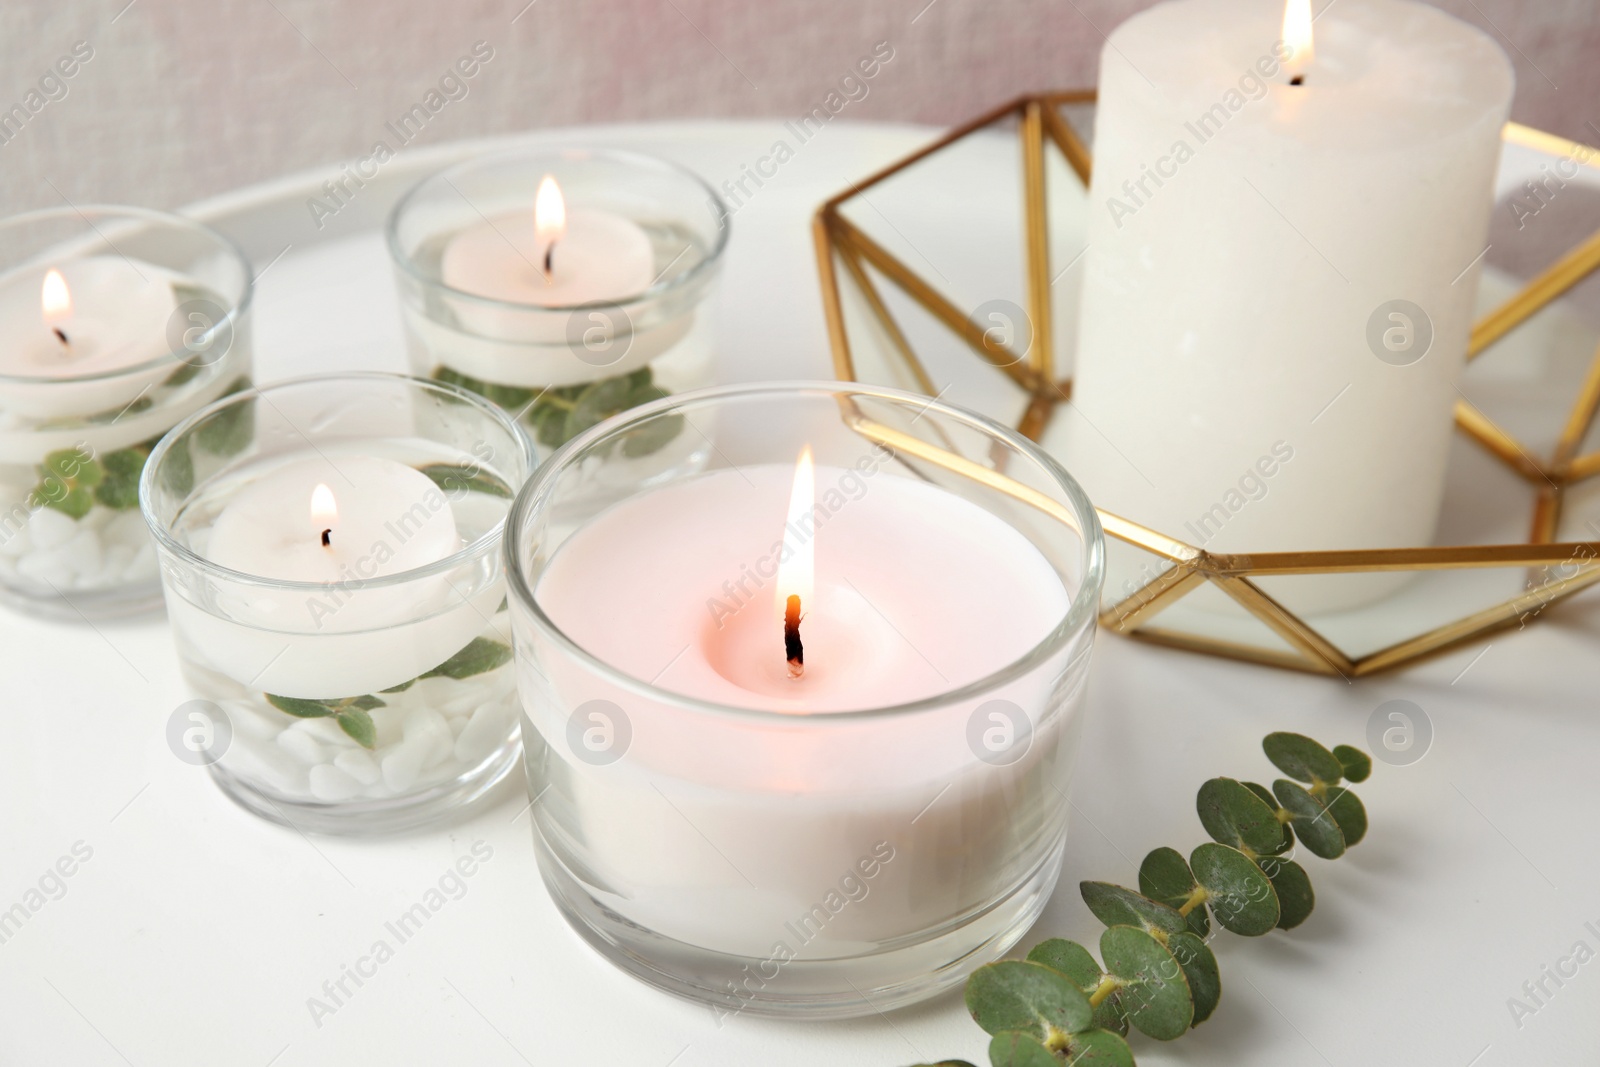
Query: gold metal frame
(1574,566)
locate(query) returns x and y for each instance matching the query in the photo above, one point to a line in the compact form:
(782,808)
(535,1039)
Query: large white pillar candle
(1282,260)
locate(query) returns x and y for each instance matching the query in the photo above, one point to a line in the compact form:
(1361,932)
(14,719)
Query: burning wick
(549,221)
(792,648)
(1298,79)
(324,513)
(55,300)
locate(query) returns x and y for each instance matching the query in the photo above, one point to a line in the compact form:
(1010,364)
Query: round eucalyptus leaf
(1018,995)
(1356,763)
(1116,906)
(1242,898)
(1199,965)
(1293,886)
(1155,994)
(1302,758)
(1348,811)
(1098,1048)
(1234,815)
(1078,964)
(1314,824)
(1272,802)
(1164,877)
(1020,1049)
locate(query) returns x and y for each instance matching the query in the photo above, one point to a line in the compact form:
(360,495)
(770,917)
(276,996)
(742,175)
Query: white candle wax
(381,518)
(593,257)
(718,832)
(1245,234)
(113,315)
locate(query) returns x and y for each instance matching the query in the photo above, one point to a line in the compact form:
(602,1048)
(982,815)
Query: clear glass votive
(619,319)
(336,591)
(116,323)
(833,837)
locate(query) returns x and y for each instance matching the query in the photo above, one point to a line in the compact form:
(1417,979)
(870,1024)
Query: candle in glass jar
(72,336)
(741,588)
(333,523)
(1282,259)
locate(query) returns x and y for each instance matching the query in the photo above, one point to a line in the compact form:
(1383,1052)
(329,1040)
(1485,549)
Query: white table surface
(195,933)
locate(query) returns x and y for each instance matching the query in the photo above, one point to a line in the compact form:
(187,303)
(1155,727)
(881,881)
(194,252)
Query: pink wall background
(187,98)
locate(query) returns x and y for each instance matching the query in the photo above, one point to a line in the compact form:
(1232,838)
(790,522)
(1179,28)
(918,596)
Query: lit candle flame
(55,303)
(1297,35)
(796,574)
(324,513)
(549,213)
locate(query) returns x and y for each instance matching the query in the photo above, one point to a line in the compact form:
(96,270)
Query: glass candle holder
(799,726)
(116,323)
(337,598)
(565,286)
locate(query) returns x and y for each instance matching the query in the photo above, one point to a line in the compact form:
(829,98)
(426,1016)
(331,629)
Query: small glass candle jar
(115,324)
(565,286)
(800,725)
(337,598)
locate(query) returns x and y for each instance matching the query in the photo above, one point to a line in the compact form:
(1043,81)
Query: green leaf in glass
(1020,995)
(229,431)
(119,488)
(1302,758)
(358,724)
(1234,815)
(1241,896)
(455,478)
(1155,993)
(1314,824)
(1116,906)
(480,656)
(1164,877)
(299,708)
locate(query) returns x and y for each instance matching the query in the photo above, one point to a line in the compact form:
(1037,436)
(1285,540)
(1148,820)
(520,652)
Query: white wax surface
(343,640)
(120,316)
(602,257)
(917,591)
(1238,248)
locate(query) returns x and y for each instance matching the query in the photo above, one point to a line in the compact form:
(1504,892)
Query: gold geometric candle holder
(848,253)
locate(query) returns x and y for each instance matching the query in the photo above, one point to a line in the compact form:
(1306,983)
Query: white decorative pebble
(50,528)
(265,765)
(457,724)
(431,692)
(388,723)
(127,528)
(118,556)
(328,731)
(303,746)
(96,518)
(427,728)
(485,730)
(251,722)
(330,783)
(47,568)
(14,540)
(82,553)
(358,765)
(402,765)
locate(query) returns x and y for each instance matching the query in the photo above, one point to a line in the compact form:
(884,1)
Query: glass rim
(230,247)
(1079,616)
(477,547)
(656,290)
